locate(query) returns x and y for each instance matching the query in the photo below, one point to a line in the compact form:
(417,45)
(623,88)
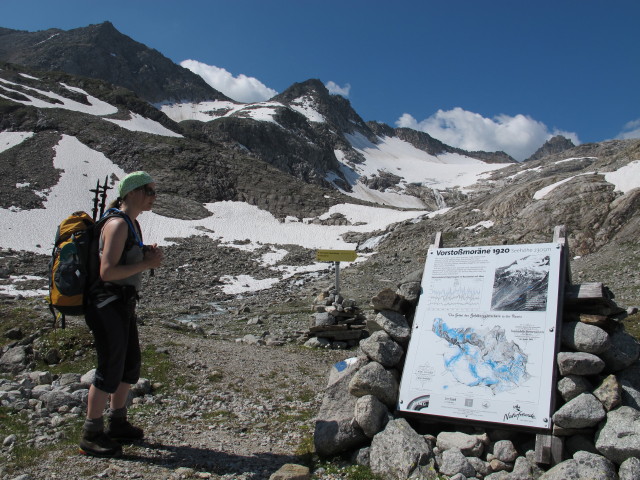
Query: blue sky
(482,75)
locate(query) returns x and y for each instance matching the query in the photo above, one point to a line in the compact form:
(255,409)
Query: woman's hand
(153,256)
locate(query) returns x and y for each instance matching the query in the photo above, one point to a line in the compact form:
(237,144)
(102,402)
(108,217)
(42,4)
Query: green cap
(133,181)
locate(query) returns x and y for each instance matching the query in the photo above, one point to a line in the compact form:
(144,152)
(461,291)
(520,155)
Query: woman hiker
(110,314)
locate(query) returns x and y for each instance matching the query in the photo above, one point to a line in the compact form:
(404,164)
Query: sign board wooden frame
(485,336)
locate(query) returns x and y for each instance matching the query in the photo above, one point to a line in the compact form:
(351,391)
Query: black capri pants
(115,331)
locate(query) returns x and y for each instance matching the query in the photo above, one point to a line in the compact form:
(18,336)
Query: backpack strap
(134,231)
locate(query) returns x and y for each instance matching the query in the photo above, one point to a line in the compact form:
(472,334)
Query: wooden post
(549,448)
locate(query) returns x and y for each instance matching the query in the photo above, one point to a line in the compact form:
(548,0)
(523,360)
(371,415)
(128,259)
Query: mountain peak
(555,144)
(101,51)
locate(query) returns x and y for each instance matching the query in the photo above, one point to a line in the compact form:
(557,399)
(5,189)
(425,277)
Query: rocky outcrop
(595,420)
(554,145)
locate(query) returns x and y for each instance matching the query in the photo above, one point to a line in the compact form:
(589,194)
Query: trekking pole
(103,195)
(95,191)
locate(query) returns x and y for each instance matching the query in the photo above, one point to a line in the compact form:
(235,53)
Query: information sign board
(484,335)
(336,255)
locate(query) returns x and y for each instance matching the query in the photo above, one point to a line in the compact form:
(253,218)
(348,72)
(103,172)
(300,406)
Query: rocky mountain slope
(100,51)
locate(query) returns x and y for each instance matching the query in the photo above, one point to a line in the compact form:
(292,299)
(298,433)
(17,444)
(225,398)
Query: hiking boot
(99,444)
(121,429)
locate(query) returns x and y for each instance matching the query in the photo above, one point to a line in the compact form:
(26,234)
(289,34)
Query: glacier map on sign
(483,358)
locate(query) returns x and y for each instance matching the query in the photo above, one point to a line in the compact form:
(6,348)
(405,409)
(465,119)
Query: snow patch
(11,139)
(625,178)
(138,123)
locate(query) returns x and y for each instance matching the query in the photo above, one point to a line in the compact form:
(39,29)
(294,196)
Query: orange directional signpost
(336,256)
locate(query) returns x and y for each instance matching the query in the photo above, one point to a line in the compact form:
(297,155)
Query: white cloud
(336,89)
(241,88)
(519,136)
(630,130)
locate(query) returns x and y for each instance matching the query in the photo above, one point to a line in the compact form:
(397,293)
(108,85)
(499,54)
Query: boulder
(619,438)
(609,392)
(573,385)
(373,379)
(371,415)
(14,360)
(594,466)
(630,469)
(585,338)
(624,351)
(398,450)
(394,323)
(335,429)
(629,379)
(469,445)
(567,470)
(381,348)
(454,462)
(583,411)
(505,451)
(55,399)
(579,363)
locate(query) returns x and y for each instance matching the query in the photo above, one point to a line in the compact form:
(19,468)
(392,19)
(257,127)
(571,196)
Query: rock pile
(53,402)
(336,322)
(596,432)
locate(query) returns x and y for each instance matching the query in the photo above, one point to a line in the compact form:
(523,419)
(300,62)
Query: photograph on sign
(484,335)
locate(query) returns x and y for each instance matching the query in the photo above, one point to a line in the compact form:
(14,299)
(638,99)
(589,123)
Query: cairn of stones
(336,322)
(596,424)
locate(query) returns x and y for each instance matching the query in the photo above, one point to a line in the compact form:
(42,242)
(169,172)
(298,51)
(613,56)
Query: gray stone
(505,451)
(583,411)
(594,466)
(398,450)
(142,387)
(410,291)
(336,430)
(41,378)
(573,385)
(454,462)
(89,377)
(522,470)
(624,351)
(55,399)
(579,363)
(381,348)
(317,342)
(394,323)
(361,456)
(387,299)
(629,379)
(585,338)
(619,438)
(52,356)
(630,469)
(567,470)
(14,334)
(371,415)
(291,471)
(373,379)
(481,467)
(323,319)
(469,445)
(609,392)
(14,360)
(68,379)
